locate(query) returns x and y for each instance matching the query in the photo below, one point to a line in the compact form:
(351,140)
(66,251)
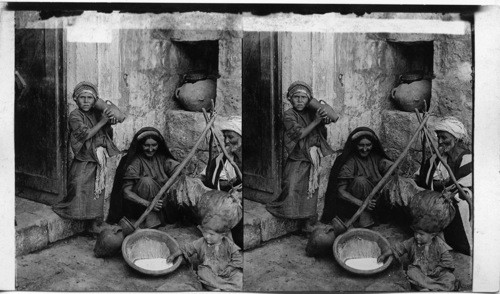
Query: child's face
(299,101)
(422,237)
(211,237)
(85,101)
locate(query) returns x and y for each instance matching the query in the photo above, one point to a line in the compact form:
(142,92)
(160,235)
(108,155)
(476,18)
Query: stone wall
(451,95)
(139,65)
(138,60)
(355,73)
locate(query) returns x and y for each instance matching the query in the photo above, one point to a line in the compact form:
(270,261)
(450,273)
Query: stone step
(261,226)
(37,226)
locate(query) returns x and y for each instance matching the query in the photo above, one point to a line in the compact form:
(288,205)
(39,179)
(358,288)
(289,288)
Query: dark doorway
(261,102)
(40,112)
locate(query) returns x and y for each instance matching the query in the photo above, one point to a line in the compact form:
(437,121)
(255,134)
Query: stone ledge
(38,226)
(261,226)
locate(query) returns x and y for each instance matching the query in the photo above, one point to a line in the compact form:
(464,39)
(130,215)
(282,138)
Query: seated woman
(354,174)
(452,144)
(140,176)
(220,173)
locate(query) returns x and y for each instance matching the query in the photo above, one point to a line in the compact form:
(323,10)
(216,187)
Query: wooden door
(261,84)
(40,111)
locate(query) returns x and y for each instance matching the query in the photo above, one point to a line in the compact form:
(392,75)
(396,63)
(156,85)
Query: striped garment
(219,169)
(459,233)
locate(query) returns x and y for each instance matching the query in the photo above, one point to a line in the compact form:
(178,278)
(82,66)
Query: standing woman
(140,176)
(305,143)
(91,143)
(354,174)
(452,144)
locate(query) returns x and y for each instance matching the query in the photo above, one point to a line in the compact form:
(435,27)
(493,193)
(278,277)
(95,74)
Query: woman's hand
(321,115)
(226,272)
(324,115)
(158,205)
(384,256)
(111,117)
(436,272)
(371,205)
(318,117)
(104,117)
(173,256)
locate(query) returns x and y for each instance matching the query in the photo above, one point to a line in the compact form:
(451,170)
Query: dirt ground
(279,265)
(70,265)
(282,265)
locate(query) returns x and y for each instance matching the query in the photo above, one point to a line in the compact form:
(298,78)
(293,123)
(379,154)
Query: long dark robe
(334,206)
(293,201)
(81,202)
(145,174)
(454,234)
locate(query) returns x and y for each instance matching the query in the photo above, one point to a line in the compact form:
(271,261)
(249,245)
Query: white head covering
(453,126)
(232,123)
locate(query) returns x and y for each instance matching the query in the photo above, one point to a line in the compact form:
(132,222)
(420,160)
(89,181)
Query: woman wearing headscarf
(452,144)
(90,141)
(354,174)
(140,176)
(220,174)
(305,142)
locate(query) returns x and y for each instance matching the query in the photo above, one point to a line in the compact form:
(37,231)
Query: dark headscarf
(350,149)
(116,201)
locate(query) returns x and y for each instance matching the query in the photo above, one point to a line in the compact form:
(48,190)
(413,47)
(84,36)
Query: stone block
(194,35)
(273,227)
(197,163)
(450,51)
(25,205)
(230,58)
(367,54)
(262,226)
(229,95)
(410,163)
(59,228)
(183,128)
(251,229)
(463,264)
(31,233)
(398,127)
(453,97)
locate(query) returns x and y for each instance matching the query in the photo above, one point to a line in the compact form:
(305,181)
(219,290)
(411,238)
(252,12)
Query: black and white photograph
(181,147)
(128,152)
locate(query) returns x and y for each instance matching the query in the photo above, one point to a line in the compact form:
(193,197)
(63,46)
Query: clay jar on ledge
(197,91)
(412,93)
